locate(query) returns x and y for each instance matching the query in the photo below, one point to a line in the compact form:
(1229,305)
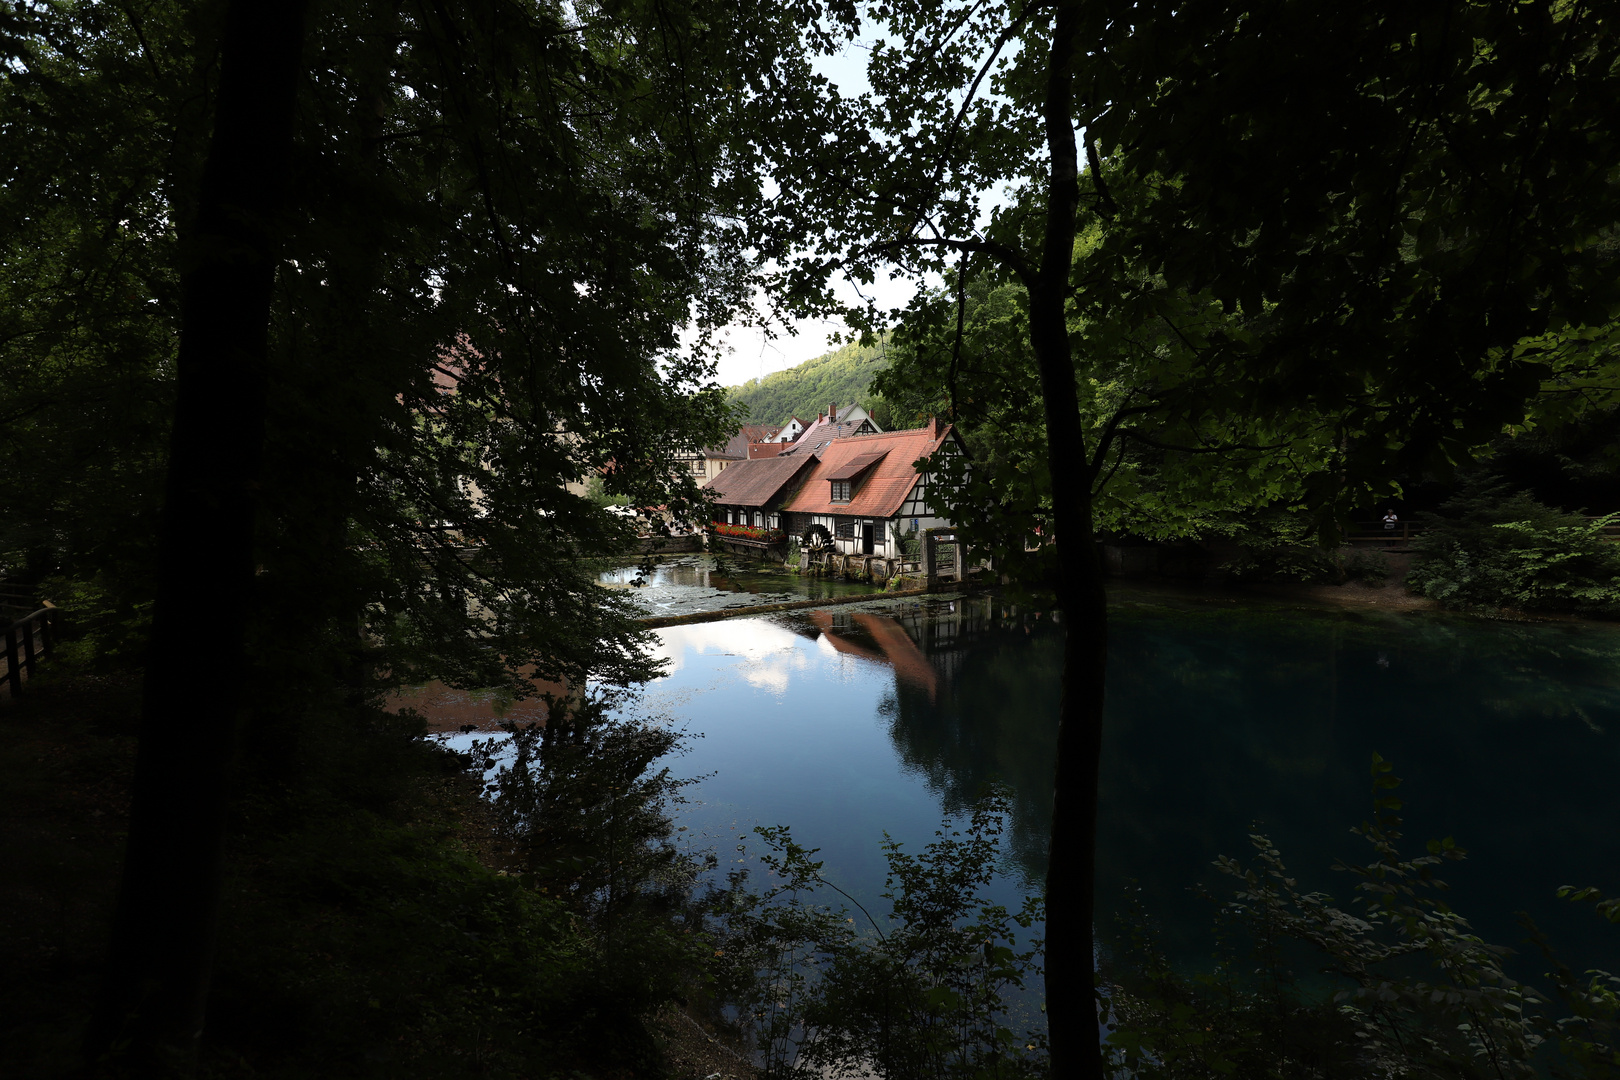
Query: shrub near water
(1281,549)
(934,991)
(1418,995)
(1488,549)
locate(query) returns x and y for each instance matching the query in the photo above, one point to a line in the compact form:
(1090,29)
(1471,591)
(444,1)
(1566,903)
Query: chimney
(832,413)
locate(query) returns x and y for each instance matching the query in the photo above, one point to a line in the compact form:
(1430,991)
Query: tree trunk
(1071,871)
(149,1017)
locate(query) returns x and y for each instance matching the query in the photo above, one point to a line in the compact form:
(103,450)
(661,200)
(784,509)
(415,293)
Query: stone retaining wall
(669,545)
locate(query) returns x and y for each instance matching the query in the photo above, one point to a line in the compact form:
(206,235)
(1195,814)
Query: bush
(1281,550)
(1485,549)
(582,815)
(930,992)
(1421,996)
(1371,567)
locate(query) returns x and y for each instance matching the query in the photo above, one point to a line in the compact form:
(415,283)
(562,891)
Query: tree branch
(1223,448)
(1111,429)
(1009,258)
(1107,207)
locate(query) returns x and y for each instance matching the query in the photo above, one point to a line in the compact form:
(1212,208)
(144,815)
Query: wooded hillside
(841,375)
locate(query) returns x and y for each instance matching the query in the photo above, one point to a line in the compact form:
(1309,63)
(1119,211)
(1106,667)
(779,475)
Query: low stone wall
(877,569)
(657,621)
(669,545)
(776,553)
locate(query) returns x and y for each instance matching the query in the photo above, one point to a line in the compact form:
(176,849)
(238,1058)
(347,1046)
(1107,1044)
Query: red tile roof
(756,482)
(857,465)
(888,482)
(765,449)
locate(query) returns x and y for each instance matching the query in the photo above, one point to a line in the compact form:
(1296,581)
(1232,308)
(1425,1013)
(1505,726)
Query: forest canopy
(842,375)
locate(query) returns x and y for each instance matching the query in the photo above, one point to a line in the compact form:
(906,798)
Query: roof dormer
(846,479)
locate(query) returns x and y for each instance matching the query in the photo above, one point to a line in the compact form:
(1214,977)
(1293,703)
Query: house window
(731,517)
(845,530)
(697,466)
(840,490)
(775,521)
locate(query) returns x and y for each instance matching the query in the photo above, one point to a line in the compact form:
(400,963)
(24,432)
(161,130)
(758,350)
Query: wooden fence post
(28,645)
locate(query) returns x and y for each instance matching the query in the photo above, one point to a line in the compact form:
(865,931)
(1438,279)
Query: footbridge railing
(28,640)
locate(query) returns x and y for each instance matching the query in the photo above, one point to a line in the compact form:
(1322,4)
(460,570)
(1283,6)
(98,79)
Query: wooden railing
(29,639)
(1376,533)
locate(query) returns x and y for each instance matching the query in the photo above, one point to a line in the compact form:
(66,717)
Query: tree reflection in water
(1224,715)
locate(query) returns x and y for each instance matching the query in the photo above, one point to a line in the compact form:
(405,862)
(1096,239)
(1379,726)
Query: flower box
(748,532)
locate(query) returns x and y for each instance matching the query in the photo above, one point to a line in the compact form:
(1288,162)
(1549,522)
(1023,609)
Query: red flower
(748,532)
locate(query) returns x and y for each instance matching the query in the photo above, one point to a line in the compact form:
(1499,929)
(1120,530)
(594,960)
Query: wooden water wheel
(817,538)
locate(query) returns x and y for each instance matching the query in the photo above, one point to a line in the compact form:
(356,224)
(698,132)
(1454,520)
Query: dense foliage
(484,246)
(450,343)
(1173,471)
(1407,237)
(840,376)
(1486,548)
(1415,993)
(931,989)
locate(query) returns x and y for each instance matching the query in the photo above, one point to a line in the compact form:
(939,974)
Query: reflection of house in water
(975,702)
(891,645)
(989,714)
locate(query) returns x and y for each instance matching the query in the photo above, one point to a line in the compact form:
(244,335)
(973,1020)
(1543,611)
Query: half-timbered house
(747,498)
(865,494)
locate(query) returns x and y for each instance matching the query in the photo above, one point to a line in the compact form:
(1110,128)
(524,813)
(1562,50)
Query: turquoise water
(1221,716)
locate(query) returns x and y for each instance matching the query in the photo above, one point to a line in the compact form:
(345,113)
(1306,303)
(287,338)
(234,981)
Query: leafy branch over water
(933,990)
(1426,996)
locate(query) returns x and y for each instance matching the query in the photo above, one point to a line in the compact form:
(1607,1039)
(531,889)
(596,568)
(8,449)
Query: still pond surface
(1223,717)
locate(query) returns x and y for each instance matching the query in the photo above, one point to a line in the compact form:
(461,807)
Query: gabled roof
(888,481)
(820,433)
(758,481)
(765,449)
(760,432)
(733,449)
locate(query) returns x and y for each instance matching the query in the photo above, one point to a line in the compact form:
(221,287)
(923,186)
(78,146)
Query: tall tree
(1397,200)
(151,1011)
(497,220)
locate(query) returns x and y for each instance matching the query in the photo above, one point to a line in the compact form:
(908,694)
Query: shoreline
(658,622)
